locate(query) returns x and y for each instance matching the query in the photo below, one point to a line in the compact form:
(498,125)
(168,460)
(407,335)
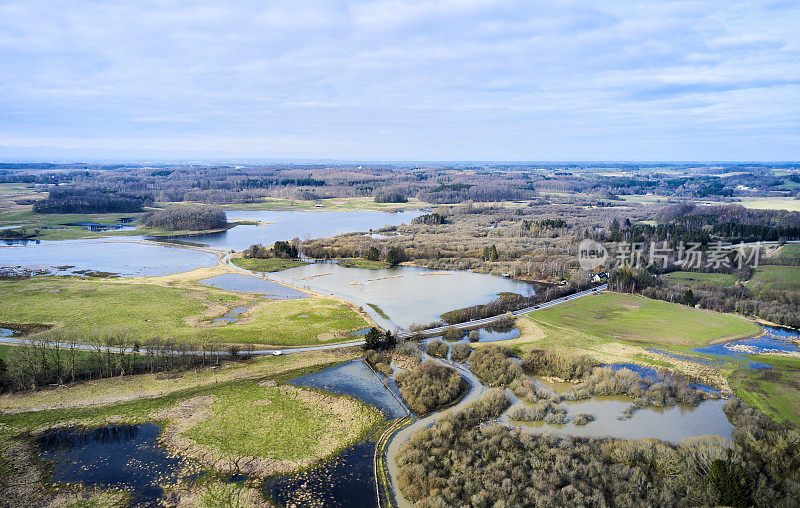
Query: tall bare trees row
(59,356)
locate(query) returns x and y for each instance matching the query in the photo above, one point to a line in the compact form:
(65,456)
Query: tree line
(58,357)
(81,200)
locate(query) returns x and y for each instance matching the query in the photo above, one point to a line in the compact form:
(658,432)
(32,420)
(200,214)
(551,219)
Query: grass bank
(781,278)
(774,391)
(638,320)
(174,312)
(266,265)
(363,263)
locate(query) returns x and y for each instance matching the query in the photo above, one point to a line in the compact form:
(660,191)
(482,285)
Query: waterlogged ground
(125,457)
(348,478)
(671,424)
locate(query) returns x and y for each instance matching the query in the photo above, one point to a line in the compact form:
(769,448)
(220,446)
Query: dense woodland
(189,218)
(77,200)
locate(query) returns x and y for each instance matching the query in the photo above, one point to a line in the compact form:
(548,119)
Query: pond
(774,340)
(231,316)
(347,479)
(251,284)
(354,378)
(126,457)
(113,255)
(671,424)
(287,225)
(406,294)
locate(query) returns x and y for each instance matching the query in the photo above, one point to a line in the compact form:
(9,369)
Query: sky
(400,80)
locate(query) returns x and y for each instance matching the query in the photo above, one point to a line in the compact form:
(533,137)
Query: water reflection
(287,225)
(115,256)
(407,294)
(667,423)
(346,479)
(250,284)
(120,456)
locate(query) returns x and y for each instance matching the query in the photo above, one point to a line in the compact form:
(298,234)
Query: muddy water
(671,424)
(126,457)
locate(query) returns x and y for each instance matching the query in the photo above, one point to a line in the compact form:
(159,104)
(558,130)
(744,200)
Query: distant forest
(432,183)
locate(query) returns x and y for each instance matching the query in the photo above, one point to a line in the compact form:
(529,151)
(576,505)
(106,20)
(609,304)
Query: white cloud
(450,79)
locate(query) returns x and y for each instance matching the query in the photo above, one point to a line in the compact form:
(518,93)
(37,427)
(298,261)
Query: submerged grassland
(237,418)
(177,311)
(774,390)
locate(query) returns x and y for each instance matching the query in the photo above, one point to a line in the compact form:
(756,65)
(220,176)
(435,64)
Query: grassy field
(774,391)
(783,278)
(377,309)
(171,312)
(638,320)
(266,265)
(150,386)
(281,423)
(790,250)
(363,263)
(227,417)
(713,279)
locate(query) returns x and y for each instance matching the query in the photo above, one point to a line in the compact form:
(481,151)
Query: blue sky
(401,80)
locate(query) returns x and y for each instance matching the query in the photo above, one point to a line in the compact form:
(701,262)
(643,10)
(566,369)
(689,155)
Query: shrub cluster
(459,463)
(430,386)
(460,352)
(437,348)
(549,364)
(493,365)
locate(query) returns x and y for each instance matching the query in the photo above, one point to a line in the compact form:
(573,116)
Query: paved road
(429,333)
(480,323)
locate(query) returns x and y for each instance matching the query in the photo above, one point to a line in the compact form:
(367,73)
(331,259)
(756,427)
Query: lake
(117,255)
(407,294)
(287,225)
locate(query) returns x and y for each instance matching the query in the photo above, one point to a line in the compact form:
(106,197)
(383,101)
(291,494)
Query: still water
(407,294)
(287,225)
(250,284)
(112,255)
(667,423)
(347,479)
(126,457)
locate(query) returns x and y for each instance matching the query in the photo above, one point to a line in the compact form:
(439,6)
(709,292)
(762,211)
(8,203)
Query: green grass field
(782,278)
(377,309)
(790,250)
(257,421)
(241,416)
(266,265)
(178,313)
(712,279)
(363,263)
(775,391)
(634,319)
